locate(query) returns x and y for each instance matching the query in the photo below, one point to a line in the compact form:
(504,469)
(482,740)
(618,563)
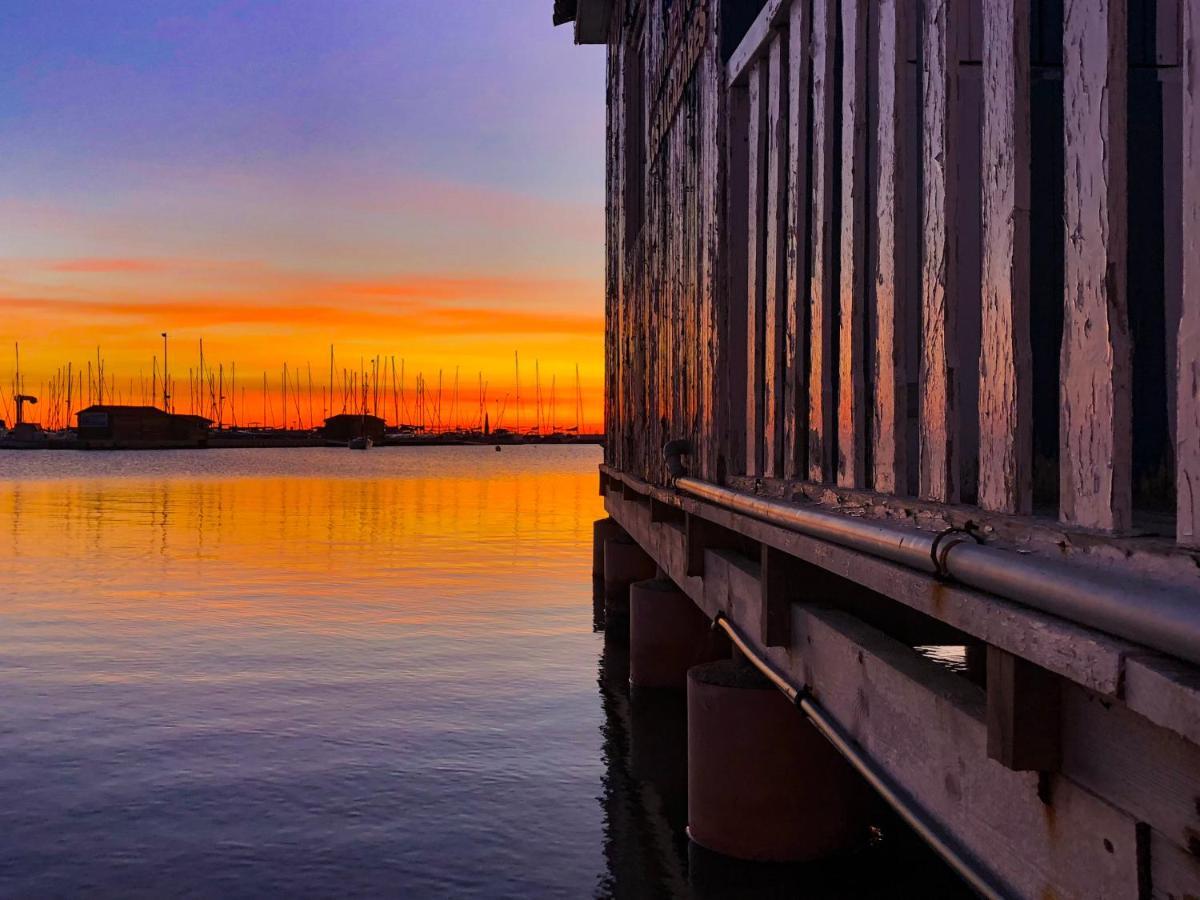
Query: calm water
(314,672)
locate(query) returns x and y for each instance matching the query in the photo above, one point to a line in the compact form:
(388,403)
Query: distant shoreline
(289,442)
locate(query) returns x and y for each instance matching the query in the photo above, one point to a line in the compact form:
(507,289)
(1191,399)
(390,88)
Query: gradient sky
(405,177)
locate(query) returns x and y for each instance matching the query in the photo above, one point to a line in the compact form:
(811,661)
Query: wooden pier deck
(933,266)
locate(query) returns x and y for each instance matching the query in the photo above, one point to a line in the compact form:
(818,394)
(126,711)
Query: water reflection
(318,673)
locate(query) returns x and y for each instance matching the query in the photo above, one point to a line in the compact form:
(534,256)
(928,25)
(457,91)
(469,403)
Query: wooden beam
(822,290)
(1095,412)
(855,182)
(795,397)
(1187,427)
(756,274)
(754,42)
(889,311)
(775,254)
(779,574)
(939,277)
(1024,713)
(1005,359)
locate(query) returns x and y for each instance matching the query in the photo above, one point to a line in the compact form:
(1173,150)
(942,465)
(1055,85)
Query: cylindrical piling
(603,530)
(624,563)
(668,634)
(763,784)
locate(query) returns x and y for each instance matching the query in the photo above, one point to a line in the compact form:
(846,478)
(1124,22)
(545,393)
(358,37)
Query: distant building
(345,426)
(139,426)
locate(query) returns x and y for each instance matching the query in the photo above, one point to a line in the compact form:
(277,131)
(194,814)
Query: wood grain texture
(709,189)
(756,267)
(1095,412)
(733,340)
(852,418)
(1187,428)
(822,289)
(889,421)
(939,277)
(775,254)
(795,395)
(1005,359)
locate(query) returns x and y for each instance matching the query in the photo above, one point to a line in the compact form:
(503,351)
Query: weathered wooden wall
(828,258)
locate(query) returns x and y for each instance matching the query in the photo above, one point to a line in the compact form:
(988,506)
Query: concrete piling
(668,634)
(763,784)
(624,563)
(603,530)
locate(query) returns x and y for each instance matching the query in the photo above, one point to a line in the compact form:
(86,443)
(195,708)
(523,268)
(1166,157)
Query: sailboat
(363,441)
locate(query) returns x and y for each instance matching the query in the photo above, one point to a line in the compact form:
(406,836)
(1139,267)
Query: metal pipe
(961,860)
(1164,618)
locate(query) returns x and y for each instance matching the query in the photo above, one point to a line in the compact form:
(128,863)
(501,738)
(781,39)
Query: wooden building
(137,427)
(933,269)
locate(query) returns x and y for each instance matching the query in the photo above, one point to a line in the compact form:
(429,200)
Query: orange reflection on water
(395,535)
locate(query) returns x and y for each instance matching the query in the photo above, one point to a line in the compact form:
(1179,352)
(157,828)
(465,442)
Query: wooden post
(852,436)
(1095,412)
(775,268)
(890,413)
(821,288)
(1005,362)
(1187,427)
(795,396)
(756,274)
(1023,713)
(939,277)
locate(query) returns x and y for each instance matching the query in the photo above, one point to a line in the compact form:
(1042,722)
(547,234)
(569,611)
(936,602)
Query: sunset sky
(395,177)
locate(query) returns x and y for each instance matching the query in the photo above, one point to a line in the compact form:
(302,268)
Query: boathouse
(903,395)
(137,427)
(346,426)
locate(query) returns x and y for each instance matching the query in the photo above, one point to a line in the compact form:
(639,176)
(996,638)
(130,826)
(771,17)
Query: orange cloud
(105,265)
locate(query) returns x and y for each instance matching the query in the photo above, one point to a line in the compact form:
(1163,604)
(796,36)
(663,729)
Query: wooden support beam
(775,254)
(1095,411)
(855,182)
(1005,358)
(939,467)
(822,290)
(1024,713)
(756,273)
(1187,427)
(889,419)
(795,395)
(780,583)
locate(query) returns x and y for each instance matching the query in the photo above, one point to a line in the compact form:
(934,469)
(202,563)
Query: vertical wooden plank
(1095,414)
(712,176)
(795,398)
(775,255)
(889,420)
(734,366)
(939,276)
(822,291)
(852,419)
(1187,425)
(1005,362)
(756,220)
